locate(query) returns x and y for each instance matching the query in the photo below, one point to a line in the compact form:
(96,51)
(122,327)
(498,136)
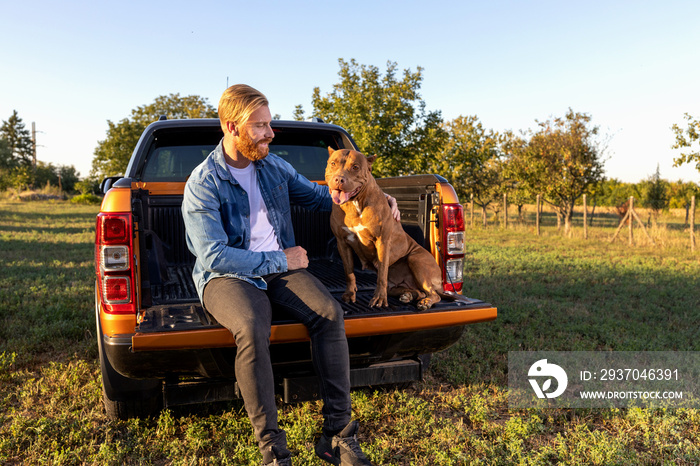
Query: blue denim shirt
(217,218)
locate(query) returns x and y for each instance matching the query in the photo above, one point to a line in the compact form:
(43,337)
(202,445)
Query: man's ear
(232,128)
(370,160)
(330,150)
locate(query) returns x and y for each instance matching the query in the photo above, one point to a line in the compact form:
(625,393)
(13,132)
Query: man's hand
(296,258)
(394,208)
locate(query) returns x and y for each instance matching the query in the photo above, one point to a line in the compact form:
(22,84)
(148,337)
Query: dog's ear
(330,150)
(370,160)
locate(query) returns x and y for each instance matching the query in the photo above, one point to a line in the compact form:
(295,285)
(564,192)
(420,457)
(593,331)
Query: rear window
(174,163)
(306,150)
(174,154)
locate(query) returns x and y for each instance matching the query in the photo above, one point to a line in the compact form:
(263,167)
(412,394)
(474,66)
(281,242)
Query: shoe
(342,449)
(281,457)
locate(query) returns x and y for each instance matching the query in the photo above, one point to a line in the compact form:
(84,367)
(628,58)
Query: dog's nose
(339,180)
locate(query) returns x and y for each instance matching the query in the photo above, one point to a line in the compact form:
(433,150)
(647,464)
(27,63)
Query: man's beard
(250,148)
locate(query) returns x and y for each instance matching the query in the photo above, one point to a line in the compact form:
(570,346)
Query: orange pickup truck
(159,347)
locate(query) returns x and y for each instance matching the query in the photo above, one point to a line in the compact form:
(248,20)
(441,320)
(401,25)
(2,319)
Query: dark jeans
(246,311)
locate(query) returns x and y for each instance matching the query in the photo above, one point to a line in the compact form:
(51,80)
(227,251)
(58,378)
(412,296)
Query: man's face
(256,135)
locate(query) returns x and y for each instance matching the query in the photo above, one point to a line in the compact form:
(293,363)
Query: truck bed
(179,315)
(171,302)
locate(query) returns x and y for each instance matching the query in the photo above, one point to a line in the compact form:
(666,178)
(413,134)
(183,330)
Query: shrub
(87,199)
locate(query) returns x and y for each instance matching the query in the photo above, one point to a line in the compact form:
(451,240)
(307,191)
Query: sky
(633,66)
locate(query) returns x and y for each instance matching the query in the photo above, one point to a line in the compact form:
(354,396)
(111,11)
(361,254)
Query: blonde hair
(238,102)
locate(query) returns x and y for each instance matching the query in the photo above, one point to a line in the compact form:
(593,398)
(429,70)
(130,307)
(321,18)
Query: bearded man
(236,209)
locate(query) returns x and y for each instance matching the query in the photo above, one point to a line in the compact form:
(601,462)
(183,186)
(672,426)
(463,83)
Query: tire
(126,398)
(123,397)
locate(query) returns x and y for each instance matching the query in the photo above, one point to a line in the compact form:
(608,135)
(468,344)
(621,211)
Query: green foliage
(16,154)
(7,362)
(655,192)
(88,185)
(471,161)
(86,199)
(511,147)
(17,168)
(613,192)
(62,176)
(18,150)
(687,138)
(18,178)
(113,153)
(384,114)
(681,193)
(6,160)
(562,161)
(298,113)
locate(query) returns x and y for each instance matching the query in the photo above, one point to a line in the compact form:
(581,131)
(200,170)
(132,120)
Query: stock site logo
(545,371)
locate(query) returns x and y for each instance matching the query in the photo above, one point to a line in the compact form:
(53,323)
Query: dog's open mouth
(341,197)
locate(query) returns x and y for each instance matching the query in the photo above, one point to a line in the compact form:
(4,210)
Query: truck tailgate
(187,325)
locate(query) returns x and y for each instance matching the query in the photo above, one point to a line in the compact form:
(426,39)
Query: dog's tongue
(339,197)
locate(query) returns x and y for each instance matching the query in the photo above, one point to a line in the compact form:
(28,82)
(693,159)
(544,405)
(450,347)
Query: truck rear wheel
(123,397)
(126,398)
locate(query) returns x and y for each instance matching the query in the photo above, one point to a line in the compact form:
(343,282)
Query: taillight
(452,250)
(114,229)
(114,262)
(117,290)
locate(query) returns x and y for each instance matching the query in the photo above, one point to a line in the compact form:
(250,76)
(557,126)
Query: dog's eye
(355,167)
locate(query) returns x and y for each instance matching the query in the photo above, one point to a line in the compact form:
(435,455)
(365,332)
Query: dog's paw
(379,300)
(349,297)
(424,304)
(406,297)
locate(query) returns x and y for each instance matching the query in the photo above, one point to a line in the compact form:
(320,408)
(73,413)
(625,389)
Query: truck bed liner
(184,312)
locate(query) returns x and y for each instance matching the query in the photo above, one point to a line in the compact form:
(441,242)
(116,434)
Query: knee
(331,317)
(252,332)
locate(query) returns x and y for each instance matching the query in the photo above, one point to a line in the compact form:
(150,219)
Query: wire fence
(638,225)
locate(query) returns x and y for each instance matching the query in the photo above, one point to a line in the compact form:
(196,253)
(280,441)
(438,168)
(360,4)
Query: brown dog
(361,221)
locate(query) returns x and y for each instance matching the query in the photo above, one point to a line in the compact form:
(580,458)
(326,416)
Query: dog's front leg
(380,298)
(348,267)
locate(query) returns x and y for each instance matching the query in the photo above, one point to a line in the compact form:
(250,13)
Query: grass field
(553,293)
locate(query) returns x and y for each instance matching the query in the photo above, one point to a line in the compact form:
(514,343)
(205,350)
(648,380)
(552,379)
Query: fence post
(585,218)
(471,209)
(631,220)
(692,223)
(505,211)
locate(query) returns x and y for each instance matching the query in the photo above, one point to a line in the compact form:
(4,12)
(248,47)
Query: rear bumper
(209,351)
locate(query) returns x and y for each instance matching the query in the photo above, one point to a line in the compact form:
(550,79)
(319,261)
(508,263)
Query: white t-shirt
(262,235)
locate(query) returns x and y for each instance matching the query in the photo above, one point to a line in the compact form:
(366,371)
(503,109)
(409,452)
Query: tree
(562,161)
(19,149)
(384,114)
(655,193)
(471,162)
(512,148)
(5,155)
(113,153)
(680,194)
(685,139)
(298,113)
(613,192)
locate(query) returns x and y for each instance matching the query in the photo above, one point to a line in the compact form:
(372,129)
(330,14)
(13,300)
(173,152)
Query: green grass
(553,293)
